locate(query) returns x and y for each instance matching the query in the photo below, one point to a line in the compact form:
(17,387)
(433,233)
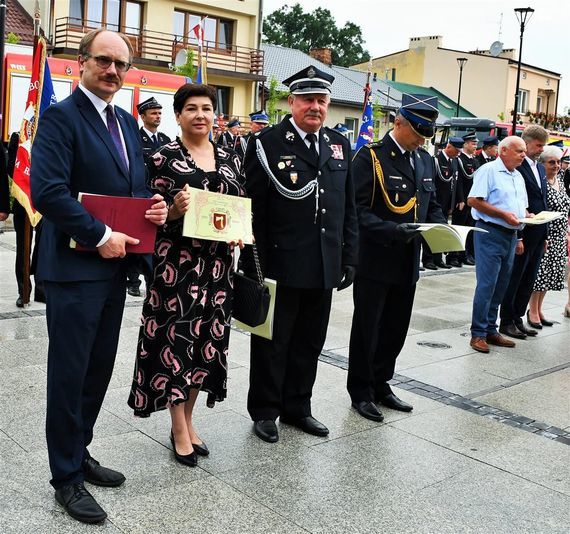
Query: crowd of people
(321,221)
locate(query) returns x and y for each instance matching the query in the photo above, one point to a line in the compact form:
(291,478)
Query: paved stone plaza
(486,449)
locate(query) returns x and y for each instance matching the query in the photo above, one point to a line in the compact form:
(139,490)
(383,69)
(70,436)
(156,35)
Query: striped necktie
(113,127)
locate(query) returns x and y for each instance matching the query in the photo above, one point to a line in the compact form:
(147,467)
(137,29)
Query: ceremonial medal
(294,177)
(281,165)
(397,197)
(337,152)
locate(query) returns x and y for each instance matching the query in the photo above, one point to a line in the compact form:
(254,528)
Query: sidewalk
(486,449)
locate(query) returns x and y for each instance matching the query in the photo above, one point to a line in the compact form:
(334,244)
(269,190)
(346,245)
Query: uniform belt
(503,229)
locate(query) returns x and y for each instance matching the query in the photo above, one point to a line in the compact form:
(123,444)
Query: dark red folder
(122,214)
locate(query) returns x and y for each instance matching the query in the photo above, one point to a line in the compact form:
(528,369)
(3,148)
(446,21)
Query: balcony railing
(152,47)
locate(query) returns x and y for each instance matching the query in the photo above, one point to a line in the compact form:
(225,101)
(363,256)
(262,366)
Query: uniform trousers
(283,370)
(495,251)
(19,216)
(382,313)
(84,322)
(525,269)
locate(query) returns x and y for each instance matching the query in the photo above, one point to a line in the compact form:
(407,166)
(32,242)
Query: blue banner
(366,134)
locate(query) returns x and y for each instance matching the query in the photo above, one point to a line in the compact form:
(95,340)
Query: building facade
(488,82)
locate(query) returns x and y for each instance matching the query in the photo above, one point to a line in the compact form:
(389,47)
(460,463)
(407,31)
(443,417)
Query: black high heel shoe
(538,326)
(191,460)
(546,322)
(201,449)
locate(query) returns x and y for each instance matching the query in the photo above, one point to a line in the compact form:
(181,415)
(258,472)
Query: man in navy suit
(85,144)
(531,240)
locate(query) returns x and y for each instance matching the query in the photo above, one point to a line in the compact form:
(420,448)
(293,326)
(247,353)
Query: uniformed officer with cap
(395,189)
(489,150)
(446,191)
(298,175)
(150,112)
(467,165)
(259,120)
(231,138)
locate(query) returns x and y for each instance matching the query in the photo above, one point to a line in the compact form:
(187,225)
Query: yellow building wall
(409,66)
(536,83)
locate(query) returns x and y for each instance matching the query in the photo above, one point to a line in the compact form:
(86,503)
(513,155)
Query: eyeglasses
(553,162)
(104,62)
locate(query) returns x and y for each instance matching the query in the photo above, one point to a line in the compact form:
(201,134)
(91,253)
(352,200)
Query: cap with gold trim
(421,111)
(309,80)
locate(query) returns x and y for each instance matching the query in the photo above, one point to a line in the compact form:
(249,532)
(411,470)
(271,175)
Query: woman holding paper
(552,267)
(183,341)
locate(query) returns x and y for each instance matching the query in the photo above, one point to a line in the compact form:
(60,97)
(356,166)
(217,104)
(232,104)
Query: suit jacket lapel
(90,114)
(130,142)
(398,159)
(418,169)
(325,150)
(293,140)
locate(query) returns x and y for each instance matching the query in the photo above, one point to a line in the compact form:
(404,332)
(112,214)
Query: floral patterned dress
(183,340)
(552,269)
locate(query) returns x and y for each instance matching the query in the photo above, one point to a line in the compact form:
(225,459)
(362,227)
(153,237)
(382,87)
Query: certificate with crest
(218,217)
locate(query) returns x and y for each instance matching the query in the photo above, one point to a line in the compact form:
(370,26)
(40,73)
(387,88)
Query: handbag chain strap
(257,264)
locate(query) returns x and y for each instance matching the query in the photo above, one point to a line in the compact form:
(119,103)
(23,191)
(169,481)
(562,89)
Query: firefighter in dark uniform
(259,120)
(467,165)
(489,150)
(394,189)
(231,138)
(298,175)
(445,189)
(150,112)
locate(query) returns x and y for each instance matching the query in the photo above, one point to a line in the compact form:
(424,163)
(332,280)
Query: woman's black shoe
(538,326)
(190,460)
(201,449)
(546,322)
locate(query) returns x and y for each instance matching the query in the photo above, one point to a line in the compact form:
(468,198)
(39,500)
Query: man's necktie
(409,160)
(154,140)
(312,138)
(113,127)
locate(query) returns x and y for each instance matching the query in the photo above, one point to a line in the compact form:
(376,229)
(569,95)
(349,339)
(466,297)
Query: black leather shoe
(454,263)
(191,460)
(512,331)
(39,296)
(80,504)
(20,302)
(538,326)
(201,449)
(391,401)
(526,330)
(134,291)
(430,265)
(96,474)
(469,260)
(368,410)
(441,265)
(307,424)
(266,429)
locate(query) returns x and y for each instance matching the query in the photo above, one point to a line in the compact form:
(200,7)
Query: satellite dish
(181,58)
(496,48)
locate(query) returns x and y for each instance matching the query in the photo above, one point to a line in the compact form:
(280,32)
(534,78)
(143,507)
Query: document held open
(218,217)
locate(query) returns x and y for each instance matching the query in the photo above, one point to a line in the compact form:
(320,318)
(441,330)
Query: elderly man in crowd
(498,200)
(531,243)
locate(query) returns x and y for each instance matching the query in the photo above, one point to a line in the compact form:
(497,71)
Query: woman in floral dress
(183,341)
(552,270)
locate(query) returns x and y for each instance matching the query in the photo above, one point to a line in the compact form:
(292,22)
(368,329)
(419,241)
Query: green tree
(273,97)
(188,69)
(293,28)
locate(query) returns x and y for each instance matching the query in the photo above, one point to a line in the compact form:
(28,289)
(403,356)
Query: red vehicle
(503,129)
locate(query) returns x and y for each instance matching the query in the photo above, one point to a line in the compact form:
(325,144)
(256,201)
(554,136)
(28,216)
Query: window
(538,104)
(218,33)
(223,97)
(113,14)
(352,125)
(523,101)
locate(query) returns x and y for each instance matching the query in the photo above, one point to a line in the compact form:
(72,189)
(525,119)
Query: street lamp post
(523,16)
(461,62)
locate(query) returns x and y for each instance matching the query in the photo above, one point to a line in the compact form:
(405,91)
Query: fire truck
(138,86)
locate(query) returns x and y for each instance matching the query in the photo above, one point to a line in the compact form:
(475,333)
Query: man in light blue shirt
(498,201)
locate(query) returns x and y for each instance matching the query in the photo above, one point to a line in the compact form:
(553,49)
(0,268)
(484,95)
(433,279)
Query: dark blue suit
(525,266)
(73,152)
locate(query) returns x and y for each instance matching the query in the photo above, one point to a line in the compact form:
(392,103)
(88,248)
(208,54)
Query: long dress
(183,340)
(552,270)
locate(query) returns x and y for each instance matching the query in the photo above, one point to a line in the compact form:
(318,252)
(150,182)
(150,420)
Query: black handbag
(251,297)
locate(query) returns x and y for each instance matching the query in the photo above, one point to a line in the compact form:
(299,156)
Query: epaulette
(264,131)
